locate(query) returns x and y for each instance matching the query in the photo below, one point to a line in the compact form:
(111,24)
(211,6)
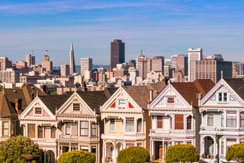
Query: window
(189,119)
(31,131)
(225,97)
(129,145)
(93,129)
(84,128)
(13,124)
(129,125)
(210,119)
(76,107)
(139,144)
(159,122)
(38,110)
(40,132)
(93,150)
(222,119)
(53,132)
(68,129)
(139,125)
(179,121)
(121,103)
(222,97)
(84,148)
(112,125)
(231,119)
(5,129)
(171,100)
(242,119)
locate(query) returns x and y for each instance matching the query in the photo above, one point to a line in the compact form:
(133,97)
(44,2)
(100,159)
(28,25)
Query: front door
(160,151)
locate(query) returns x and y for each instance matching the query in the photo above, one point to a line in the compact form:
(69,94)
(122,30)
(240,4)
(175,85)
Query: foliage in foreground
(77,157)
(235,153)
(133,155)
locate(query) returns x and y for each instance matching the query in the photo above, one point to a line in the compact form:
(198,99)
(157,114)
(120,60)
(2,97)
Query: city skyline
(160,28)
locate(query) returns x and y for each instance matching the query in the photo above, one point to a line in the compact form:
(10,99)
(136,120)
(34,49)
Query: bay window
(84,128)
(231,119)
(129,124)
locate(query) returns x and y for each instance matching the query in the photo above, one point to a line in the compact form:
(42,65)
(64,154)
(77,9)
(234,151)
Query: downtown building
(117,53)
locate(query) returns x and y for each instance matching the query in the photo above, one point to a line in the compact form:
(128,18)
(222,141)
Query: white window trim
(76,110)
(38,115)
(114,125)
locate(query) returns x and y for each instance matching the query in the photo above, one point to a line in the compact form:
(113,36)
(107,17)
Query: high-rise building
(47,64)
(158,64)
(86,65)
(237,68)
(193,55)
(5,63)
(30,60)
(182,64)
(9,76)
(142,65)
(71,60)
(117,53)
(21,64)
(210,69)
(64,70)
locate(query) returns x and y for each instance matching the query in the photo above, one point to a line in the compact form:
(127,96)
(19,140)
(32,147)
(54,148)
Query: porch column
(238,119)
(185,122)
(202,146)
(78,128)
(58,150)
(225,146)
(163,146)
(69,146)
(89,129)
(173,121)
(224,118)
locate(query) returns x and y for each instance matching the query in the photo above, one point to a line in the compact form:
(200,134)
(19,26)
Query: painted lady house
(175,116)
(222,111)
(126,119)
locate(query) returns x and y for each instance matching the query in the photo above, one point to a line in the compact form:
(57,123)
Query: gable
(75,105)
(121,102)
(169,98)
(37,110)
(222,95)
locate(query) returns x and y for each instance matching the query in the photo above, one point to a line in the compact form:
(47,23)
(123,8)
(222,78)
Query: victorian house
(222,112)
(175,116)
(126,119)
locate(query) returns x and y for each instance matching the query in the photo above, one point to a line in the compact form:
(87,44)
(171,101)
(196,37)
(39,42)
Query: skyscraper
(47,64)
(117,53)
(86,65)
(64,70)
(71,60)
(193,55)
(30,60)
(158,64)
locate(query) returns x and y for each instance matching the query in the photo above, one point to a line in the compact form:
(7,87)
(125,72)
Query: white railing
(68,137)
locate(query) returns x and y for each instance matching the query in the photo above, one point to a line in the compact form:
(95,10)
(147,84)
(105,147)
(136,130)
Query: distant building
(182,64)
(5,63)
(237,68)
(132,63)
(193,55)
(143,65)
(71,60)
(117,53)
(64,70)
(9,76)
(86,65)
(47,64)
(158,64)
(30,60)
(21,64)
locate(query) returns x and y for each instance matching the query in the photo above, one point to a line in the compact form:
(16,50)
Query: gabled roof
(237,85)
(189,90)
(141,94)
(6,110)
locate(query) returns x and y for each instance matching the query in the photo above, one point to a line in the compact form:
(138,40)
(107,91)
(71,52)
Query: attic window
(76,107)
(121,103)
(171,100)
(38,110)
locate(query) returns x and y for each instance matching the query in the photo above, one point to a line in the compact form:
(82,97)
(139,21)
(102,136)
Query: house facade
(175,116)
(222,112)
(126,120)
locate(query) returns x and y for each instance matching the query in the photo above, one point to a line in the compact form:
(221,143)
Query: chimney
(151,95)
(199,96)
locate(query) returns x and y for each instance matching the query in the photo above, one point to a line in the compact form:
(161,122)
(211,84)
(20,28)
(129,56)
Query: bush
(235,152)
(181,153)
(14,148)
(77,157)
(133,155)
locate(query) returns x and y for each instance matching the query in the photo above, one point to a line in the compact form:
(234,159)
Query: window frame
(242,119)
(93,127)
(84,128)
(41,111)
(40,132)
(128,126)
(74,108)
(68,126)
(231,116)
(210,115)
(114,123)
(52,132)
(3,128)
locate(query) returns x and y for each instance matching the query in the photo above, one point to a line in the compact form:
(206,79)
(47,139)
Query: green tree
(14,148)
(181,153)
(133,155)
(235,153)
(77,157)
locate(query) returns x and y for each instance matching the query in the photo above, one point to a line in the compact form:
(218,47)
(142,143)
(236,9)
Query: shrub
(235,153)
(14,148)
(77,157)
(133,155)
(181,153)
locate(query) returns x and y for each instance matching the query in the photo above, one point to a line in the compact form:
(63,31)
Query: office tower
(64,70)
(182,64)
(47,64)
(143,65)
(193,55)
(167,62)
(173,63)
(5,63)
(117,53)
(237,68)
(9,76)
(132,63)
(210,69)
(158,64)
(86,65)
(71,60)
(21,64)
(30,60)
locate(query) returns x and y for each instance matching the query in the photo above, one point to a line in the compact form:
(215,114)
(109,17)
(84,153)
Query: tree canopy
(77,157)
(235,153)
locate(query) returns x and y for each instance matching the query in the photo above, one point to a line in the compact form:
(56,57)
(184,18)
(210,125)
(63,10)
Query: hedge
(77,157)
(181,153)
(14,148)
(235,152)
(133,155)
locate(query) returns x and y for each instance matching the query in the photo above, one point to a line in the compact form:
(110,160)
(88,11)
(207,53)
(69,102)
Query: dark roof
(141,94)
(189,90)
(237,84)
(6,109)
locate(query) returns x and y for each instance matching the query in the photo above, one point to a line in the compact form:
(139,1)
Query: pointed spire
(222,75)
(71,46)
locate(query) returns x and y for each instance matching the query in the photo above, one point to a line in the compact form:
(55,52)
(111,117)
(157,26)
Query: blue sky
(158,27)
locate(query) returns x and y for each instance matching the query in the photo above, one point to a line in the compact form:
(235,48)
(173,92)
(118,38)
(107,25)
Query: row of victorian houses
(208,116)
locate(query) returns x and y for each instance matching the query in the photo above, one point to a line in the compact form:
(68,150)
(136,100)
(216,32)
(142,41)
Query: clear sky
(158,27)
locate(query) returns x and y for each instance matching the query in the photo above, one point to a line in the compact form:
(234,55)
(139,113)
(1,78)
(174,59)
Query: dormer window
(76,107)
(38,110)
(222,97)
(122,103)
(171,100)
